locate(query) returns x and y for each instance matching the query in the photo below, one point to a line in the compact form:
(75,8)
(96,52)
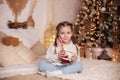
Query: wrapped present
(82,51)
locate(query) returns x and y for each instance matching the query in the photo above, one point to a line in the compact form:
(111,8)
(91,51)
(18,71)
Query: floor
(29,77)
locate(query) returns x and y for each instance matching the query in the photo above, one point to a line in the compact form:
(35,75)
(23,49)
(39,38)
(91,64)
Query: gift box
(82,51)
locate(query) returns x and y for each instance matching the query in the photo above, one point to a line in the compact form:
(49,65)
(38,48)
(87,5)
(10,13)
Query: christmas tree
(97,24)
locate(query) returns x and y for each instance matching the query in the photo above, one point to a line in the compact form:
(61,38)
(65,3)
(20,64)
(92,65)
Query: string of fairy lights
(97,25)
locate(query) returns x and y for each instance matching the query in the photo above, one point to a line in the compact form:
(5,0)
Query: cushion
(39,48)
(11,56)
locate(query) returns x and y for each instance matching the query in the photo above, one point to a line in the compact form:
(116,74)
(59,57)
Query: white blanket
(92,70)
(96,70)
(27,36)
(20,69)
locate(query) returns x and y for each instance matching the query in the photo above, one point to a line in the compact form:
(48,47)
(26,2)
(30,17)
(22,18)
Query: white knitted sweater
(53,57)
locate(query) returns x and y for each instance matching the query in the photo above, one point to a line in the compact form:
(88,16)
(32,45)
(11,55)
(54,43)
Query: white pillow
(39,49)
(11,56)
(8,56)
(26,54)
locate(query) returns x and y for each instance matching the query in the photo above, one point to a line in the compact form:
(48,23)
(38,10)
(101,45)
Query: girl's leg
(44,66)
(73,68)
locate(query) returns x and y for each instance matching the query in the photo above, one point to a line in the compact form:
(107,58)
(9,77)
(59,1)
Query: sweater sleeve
(51,56)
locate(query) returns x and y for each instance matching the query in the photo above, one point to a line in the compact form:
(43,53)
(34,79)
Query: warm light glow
(49,35)
(115,56)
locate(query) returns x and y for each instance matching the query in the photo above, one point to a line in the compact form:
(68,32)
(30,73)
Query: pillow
(8,56)
(11,56)
(26,54)
(39,48)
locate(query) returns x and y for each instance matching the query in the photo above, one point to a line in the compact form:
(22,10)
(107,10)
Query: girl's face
(65,33)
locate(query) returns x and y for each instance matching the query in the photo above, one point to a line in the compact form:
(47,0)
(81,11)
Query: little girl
(62,56)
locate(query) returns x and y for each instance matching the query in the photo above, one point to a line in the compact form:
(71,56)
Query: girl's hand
(74,58)
(61,54)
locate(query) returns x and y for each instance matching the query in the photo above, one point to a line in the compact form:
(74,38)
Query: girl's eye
(68,32)
(62,33)
(65,33)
